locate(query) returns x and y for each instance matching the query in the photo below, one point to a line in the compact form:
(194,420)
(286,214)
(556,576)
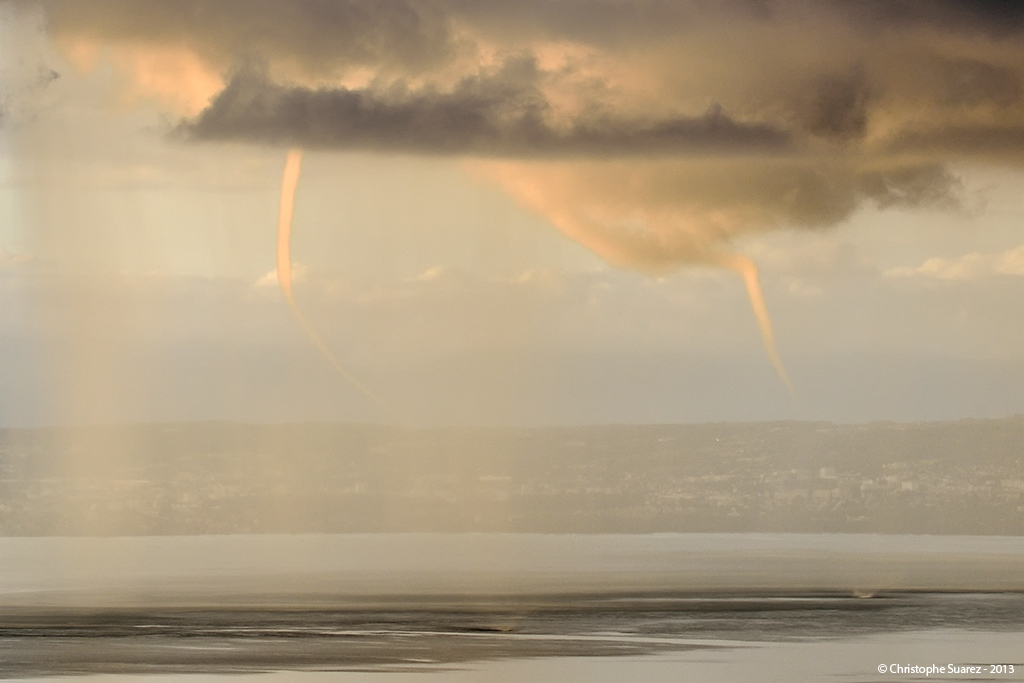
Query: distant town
(963,477)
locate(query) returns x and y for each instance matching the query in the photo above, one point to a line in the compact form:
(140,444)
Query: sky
(544,212)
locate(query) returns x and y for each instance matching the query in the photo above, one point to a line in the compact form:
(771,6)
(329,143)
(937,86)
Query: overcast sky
(511,213)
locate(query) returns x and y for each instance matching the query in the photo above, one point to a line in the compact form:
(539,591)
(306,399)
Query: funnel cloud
(658,135)
(289,181)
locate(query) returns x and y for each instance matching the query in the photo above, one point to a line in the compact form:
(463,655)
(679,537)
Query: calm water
(492,607)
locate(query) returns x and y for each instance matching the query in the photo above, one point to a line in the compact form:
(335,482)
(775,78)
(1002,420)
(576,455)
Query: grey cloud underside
(810,195)
(948,57)
(905,86)
(837,107)
(994,17)
(505,115)
(411,31)
(994,141)
(911,186)
(317,33)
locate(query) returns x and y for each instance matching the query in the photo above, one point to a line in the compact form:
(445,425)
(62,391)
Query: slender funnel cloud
(615,213)
(289,181)
(649,253)
(748,270)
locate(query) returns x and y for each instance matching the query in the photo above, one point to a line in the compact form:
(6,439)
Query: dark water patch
(428,636)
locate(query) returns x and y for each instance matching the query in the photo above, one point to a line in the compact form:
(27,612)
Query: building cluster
(963,477)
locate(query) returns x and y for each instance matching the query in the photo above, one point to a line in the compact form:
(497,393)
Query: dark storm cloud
(787,72)
(318,33)
(727,196)
(996,17)
(997,142)
(502,114)
(973,82)
(421,33)
(911,186)
(838,106)
(813,195)
(412,31)
(819,106)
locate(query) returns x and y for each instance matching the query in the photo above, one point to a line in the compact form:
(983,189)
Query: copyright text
(939,669)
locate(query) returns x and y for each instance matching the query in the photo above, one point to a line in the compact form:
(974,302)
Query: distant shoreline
(963,477)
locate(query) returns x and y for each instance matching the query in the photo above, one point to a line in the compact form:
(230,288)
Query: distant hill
(962,477)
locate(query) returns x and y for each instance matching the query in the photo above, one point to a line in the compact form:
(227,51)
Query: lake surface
(510,607)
